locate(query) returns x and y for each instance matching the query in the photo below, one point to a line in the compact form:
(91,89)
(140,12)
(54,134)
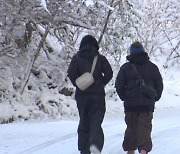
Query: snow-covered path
(60,137)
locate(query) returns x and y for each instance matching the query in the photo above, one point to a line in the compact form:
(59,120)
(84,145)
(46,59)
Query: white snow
(43,4)
(89,2)
(60,136)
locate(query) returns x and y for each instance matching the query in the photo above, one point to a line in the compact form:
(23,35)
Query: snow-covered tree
(38,39)
(159,29)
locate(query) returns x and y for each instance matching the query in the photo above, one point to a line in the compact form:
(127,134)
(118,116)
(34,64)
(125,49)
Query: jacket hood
(88,51)
(88,47)
(138,58)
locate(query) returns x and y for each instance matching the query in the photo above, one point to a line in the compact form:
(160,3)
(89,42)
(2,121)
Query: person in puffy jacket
(139,100)
(91,101)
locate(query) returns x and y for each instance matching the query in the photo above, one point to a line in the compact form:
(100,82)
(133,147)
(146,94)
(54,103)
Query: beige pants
(138,131)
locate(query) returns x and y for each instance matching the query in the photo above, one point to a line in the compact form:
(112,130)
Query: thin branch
(82,25)
(43,39)
(106,23)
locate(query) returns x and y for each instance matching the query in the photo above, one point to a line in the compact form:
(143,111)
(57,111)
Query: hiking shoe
(94,149)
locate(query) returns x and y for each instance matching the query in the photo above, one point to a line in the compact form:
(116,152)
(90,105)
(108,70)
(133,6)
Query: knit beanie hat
(89,40)
(136,47)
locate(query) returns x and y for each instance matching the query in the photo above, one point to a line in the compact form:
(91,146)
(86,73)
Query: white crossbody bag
(86,79)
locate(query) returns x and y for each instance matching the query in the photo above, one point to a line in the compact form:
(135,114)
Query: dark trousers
(138,131)
(91,113)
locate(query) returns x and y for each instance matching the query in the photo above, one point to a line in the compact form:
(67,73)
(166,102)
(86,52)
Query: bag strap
(136,70)
(94,64)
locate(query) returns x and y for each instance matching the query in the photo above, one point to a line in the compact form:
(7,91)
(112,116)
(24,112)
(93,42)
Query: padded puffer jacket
(127,86)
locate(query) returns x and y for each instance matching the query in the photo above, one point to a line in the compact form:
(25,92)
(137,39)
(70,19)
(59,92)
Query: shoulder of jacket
(152,65)
(125,65)
(102,58)
(74,57)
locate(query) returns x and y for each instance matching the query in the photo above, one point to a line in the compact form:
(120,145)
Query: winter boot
(143,151)
(94,149)
(131,152)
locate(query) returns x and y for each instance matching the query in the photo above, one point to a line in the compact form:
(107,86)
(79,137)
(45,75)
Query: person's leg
(143,151)
(96,114)
(144,132)
(131,152)
(130,136)
(84,127)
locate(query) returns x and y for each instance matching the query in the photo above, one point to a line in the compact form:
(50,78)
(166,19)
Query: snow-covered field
(60,137)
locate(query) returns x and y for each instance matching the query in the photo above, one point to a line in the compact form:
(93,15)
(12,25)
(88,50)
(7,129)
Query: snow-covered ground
(60,137)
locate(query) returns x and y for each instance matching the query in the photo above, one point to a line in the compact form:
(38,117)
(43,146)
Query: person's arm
(158,84)
(73,70)
(107,71)
(120,84)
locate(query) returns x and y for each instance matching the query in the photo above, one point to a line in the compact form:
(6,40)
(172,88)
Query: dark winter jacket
(82,62)
(127,86)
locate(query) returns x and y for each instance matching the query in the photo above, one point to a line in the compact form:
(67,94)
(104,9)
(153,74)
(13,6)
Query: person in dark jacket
(139,103)
(91,101)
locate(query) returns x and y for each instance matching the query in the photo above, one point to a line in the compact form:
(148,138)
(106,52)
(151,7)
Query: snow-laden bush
(39,38)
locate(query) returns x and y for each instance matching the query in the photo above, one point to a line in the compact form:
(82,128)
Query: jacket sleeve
(158,84)
(72,72)
(107,71)
(120,84)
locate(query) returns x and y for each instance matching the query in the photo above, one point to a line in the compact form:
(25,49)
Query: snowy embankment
(59,136)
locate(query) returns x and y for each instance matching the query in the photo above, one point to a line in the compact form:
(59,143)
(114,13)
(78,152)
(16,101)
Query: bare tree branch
(24,83)
(106,23)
